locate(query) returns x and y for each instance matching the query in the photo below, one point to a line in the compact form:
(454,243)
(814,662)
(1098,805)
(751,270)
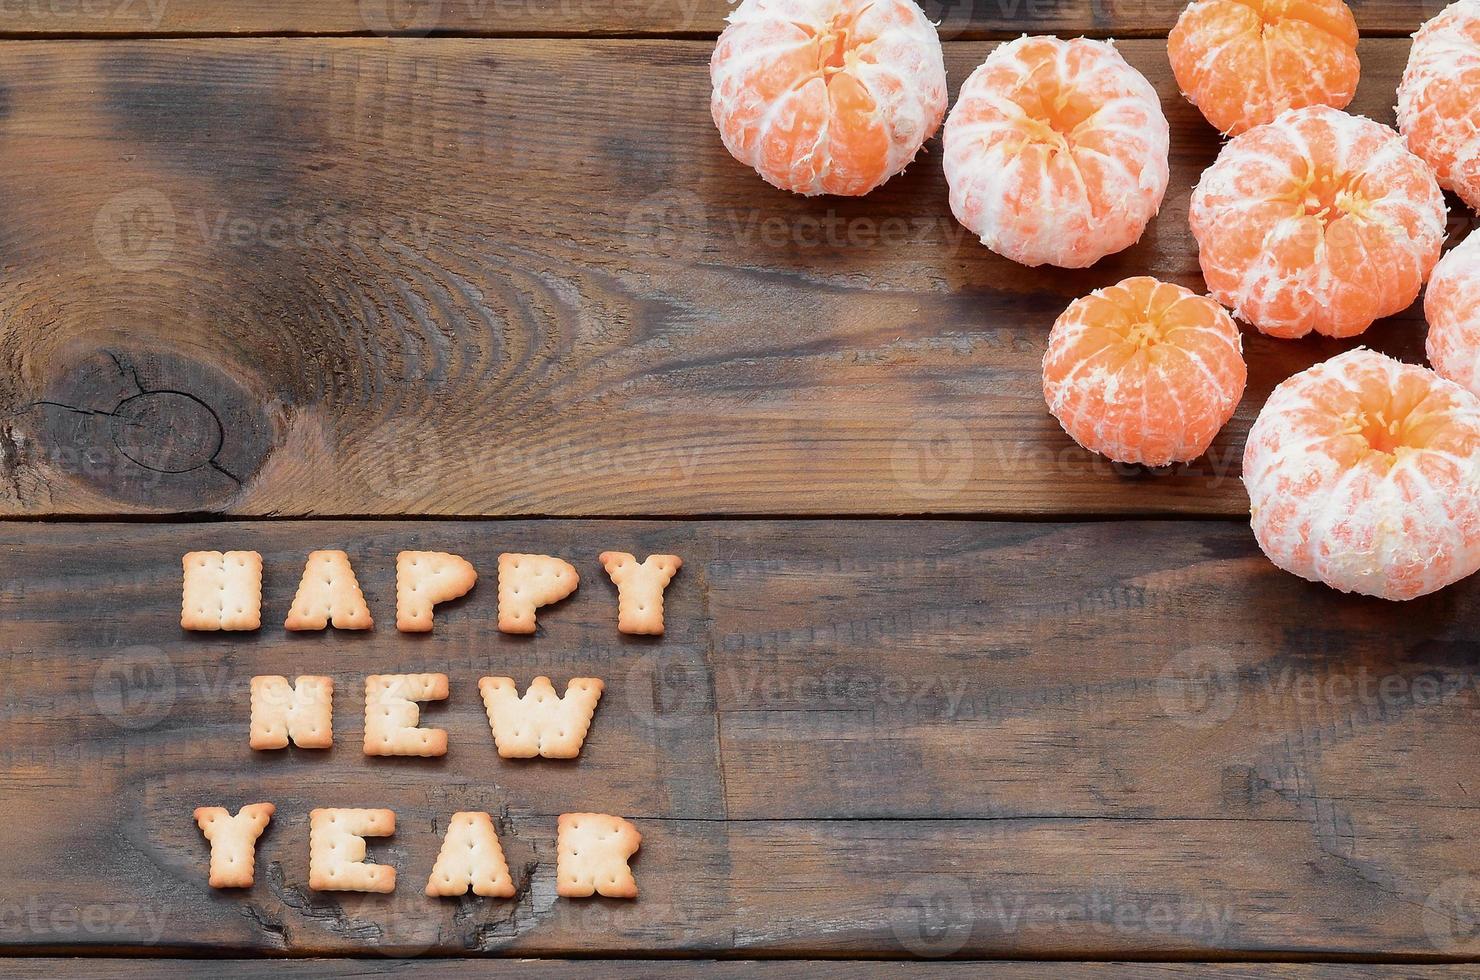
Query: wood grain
(473,277)
(114,969)
(881,738)
(958,19)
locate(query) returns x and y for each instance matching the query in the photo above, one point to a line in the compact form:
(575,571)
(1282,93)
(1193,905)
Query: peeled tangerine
(1439,98)
(827,96)
(1318,221)
(1144,371)
(1056,152)
(1364,473)
(1243,62)
(1452,307)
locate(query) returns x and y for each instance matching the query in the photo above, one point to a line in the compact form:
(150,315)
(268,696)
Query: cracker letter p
(425,578)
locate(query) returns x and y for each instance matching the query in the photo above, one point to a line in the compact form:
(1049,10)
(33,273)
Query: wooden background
(477,275)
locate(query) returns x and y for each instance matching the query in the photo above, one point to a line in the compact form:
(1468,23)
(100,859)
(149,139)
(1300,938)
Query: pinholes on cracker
(391,714)
(591,856)
(425,578)
(329,592)
(526,582)
(539,723)
(471,857)
(302,711)
(233,841)
(640,589)
(336,850)
(223,591)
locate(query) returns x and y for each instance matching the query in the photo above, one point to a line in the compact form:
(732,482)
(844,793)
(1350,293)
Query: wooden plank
(958,19)
(343,277)
(858,738)
(115,969)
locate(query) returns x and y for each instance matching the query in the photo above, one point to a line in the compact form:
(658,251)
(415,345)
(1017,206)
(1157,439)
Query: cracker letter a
(329,592)
(391,714)
(336,850)
(471,857)
(640,589)
(223,591)
(233,841)
(591,856)
(526,582)
(425,578)
(302,711)
(540,723)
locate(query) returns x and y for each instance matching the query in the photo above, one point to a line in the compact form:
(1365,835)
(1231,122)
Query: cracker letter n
(425,578)
(336,850)
(471,857)
(591,856)
(391,714)
(640,589)
(526,582)
(233,841)
(329,592)
(302,711)
(223,591)
(540,723)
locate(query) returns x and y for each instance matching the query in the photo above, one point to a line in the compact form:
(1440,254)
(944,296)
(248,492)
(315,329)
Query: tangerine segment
(1056,152)
(1439,98)
(827,96)
(1364,473)
(1452,307)
(1243,62)
(1318,221)
(1144,371)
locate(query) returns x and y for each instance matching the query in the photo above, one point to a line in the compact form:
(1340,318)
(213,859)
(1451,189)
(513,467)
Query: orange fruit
(1144,371)
(1317,221)
(1364,473)
(1452,307)
(1439,98)
(1243,62)
(1056,152)
(827,96)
